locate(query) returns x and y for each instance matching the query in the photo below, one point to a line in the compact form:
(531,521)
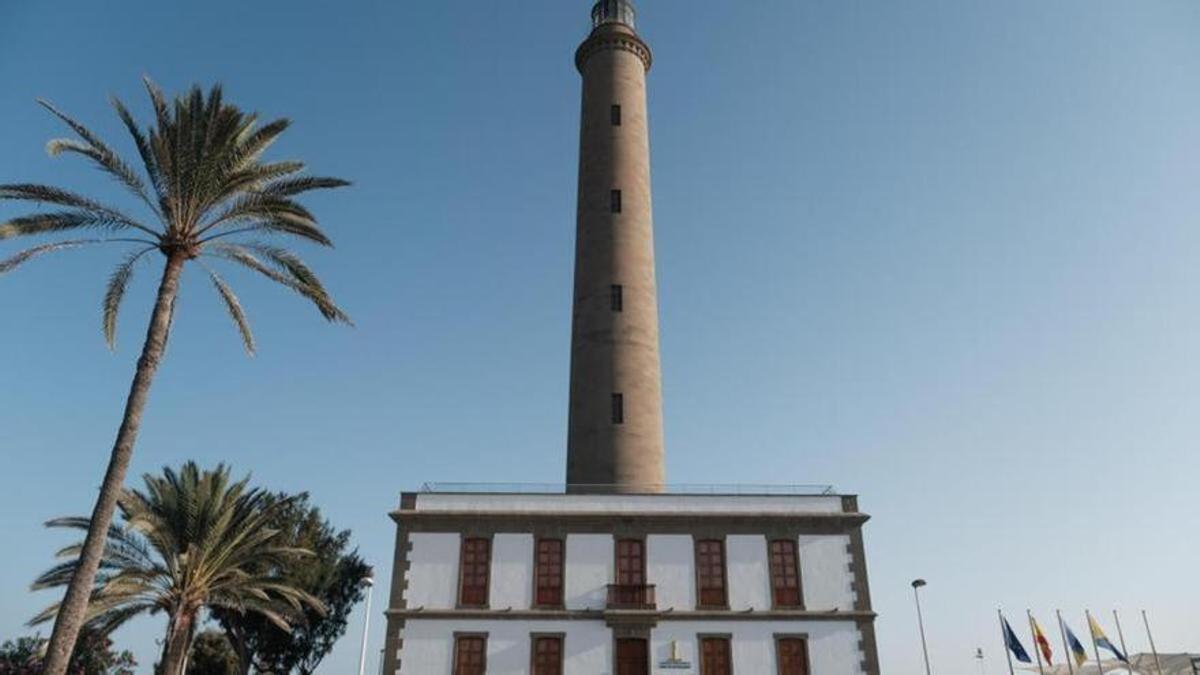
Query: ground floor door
(633,657)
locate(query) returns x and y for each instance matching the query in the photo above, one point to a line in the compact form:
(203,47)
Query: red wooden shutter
(633,657)
(710,572)
(470,655)
(792,656)
(714,657)
(547,655)
(631,563)
(474,566)
(549,573)
(785,573)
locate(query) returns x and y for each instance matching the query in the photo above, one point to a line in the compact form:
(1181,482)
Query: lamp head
(918,583)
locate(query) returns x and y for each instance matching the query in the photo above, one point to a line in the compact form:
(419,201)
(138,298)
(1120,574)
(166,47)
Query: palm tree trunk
(180,630)
(73,609)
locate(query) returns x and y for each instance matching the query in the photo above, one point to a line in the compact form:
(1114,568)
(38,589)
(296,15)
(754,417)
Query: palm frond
(144,151)
(13,262)
(54,221)
(293,186)
(235,310)
(118,281)
(317,296)
(94,148)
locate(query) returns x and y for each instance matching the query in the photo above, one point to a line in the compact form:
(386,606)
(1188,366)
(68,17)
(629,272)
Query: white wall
(429,645)
(825,572)
(749,576)
(589,570)
(511,583)
(433,570)
(824,569)
(832,645)
(670,566)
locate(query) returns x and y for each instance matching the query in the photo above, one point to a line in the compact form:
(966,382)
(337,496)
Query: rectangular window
(474,565)
(792,656)
(615,201)
(548,575)
(618,409)
(547,655)
(470,655)
(715,657)
(618,298)
(710,573)
(631,562)
(785,573)
(616,115)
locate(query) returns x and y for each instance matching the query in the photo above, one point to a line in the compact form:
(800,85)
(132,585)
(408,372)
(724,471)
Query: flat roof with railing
(738,489)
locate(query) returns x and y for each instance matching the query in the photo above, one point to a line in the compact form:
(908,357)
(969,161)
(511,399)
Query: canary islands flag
(1077,649)
(1014,645)
(1101,639)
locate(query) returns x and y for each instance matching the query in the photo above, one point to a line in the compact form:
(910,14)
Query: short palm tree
(191,541)
(208,194)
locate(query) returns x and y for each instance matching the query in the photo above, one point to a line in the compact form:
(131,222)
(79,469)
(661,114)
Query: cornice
(602,40)
(609,615)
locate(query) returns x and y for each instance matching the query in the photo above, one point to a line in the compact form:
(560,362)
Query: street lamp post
(369,582)
(916,585)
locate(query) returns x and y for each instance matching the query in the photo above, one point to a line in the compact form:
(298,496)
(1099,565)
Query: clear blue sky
(942,254)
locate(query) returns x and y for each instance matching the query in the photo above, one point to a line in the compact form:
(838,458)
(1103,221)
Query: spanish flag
(1043,644)
(1101,639)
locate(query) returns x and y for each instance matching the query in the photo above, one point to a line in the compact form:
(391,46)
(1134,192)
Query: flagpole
(1121,635)
(1037,647)
(1004,638)
(1095,645)
(1067,653)
(1153,649)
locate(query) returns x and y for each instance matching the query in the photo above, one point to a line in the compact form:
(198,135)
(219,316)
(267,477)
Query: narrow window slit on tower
(616,115)
(618,409)
(615,201)
(618,299)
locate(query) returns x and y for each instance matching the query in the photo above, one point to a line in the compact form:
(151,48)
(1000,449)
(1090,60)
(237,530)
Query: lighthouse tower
(616,573)
(615,436)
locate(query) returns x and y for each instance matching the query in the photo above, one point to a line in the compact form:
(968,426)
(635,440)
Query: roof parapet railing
(747,489)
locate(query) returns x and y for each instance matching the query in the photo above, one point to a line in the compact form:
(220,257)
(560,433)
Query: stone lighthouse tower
(615,436)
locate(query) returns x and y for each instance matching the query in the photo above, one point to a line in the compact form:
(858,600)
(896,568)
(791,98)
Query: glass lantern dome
(614,11)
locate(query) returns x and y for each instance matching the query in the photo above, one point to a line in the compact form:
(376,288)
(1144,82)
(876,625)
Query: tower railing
(739,489)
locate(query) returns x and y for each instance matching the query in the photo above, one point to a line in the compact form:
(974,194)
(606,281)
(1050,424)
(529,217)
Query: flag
(1101,639)
(1014,645)
(1077,649)
(1043,644)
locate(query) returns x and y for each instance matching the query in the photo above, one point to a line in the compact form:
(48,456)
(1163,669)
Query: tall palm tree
(208,194)
(191,541)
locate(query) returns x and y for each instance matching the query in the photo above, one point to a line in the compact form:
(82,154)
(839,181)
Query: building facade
(615,573)
(600,584)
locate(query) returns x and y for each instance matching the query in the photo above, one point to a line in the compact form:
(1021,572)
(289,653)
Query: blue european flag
(1014,645)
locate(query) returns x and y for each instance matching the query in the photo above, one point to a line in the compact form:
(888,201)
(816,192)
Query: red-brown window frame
(782,570)
(543,573)
(805,665)
(641,558)
(478,596)
(726,644)
(535,641)
(712,586)
(460,640)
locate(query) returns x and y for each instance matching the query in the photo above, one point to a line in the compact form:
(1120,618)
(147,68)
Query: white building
(615,573)
(613,584)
